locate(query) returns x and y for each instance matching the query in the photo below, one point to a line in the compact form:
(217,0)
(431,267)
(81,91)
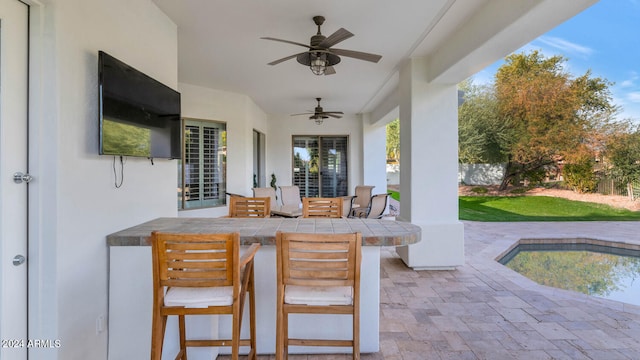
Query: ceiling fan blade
(357,55)
(307,113)
(338,36)
(287,41)
(334,116)
(333,112)
(276,62)
(329,70)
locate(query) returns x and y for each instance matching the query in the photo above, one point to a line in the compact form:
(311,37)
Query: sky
(604,38)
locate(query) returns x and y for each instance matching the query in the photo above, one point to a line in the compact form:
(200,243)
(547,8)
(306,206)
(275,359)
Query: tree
(550,114)
(483,136)
(393,140)
(623,152)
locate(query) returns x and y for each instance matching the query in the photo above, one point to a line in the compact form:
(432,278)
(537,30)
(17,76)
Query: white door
(13,194)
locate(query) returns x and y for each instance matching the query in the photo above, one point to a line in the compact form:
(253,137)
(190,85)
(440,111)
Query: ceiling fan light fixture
(318,64)
(318,118)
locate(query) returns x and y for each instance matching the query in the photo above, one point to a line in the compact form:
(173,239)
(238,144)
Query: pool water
(606,272)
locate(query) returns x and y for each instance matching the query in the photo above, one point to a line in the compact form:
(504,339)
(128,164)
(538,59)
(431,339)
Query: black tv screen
(139,116)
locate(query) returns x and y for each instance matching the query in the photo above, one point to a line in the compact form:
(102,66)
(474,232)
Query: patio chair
(322,207)
(347,205)
(317,274)
(362,200)
(249,207)
(290,195)
(201,274)
(377,206)
(267,192)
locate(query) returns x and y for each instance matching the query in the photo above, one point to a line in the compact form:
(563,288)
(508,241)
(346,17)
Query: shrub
(580,176)
(518,191)
(480,190)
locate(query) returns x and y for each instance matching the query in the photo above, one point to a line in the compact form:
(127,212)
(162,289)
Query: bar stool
(201,274)
(249,207)
(322,207)
(317,274)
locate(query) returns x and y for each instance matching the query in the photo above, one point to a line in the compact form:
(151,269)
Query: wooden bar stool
(317,274)
(201,274)
(322,207)
(249,207)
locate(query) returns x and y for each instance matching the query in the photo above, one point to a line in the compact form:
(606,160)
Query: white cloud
(565,46)
(634,97)
(627,83)
(631,81)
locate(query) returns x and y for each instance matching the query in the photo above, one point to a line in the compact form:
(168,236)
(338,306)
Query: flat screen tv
(139,116)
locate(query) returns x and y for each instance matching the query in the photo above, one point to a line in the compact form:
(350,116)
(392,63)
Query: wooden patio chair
(249,207)
(322,207)
(317,274)
(201,274)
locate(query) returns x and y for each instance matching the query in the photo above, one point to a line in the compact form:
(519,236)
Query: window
(202,171)
(258,159)
(320,165)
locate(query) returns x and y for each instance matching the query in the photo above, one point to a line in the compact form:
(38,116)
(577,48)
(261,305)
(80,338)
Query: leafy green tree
(393,140)
(483,137)
(623,152)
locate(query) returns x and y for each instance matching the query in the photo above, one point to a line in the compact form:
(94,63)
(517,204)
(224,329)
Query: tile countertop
(374,232)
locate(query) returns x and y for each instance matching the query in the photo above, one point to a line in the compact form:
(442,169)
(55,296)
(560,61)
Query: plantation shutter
(305,165)
(333,170)
(204,164)
(320,165)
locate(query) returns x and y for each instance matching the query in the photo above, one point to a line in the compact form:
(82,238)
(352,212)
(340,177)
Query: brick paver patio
(484,310)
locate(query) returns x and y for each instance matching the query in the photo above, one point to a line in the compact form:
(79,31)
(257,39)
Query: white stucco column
(374,157)
(429,169)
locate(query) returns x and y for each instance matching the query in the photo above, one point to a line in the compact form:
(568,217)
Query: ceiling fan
(321,55)
(318,114)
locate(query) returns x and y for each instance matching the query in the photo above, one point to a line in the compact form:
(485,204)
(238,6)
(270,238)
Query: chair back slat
(322,207)
(192,260)
(246,207)
(196,246)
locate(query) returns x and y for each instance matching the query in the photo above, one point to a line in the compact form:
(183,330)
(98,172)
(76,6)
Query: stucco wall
(282,127)
(242,116)
(480,174)
(76,199)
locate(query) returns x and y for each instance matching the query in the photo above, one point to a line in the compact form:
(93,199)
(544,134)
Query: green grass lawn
(538,208)
(394,194)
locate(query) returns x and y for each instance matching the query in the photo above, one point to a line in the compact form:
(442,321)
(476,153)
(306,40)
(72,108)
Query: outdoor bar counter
(130,284)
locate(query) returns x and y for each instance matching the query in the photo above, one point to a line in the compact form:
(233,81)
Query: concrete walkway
(484,310)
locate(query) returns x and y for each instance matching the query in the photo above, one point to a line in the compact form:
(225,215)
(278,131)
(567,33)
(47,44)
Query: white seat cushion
(318,295)
(191,297)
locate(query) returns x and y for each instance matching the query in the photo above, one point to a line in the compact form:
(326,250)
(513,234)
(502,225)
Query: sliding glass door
(320,165)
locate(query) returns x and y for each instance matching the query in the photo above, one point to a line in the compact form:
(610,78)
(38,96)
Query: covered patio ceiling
(220,47)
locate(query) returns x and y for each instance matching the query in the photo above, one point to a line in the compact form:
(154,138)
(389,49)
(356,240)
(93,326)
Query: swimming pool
(608,272)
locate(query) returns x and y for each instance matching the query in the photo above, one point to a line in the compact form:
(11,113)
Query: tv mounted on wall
(139,116)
